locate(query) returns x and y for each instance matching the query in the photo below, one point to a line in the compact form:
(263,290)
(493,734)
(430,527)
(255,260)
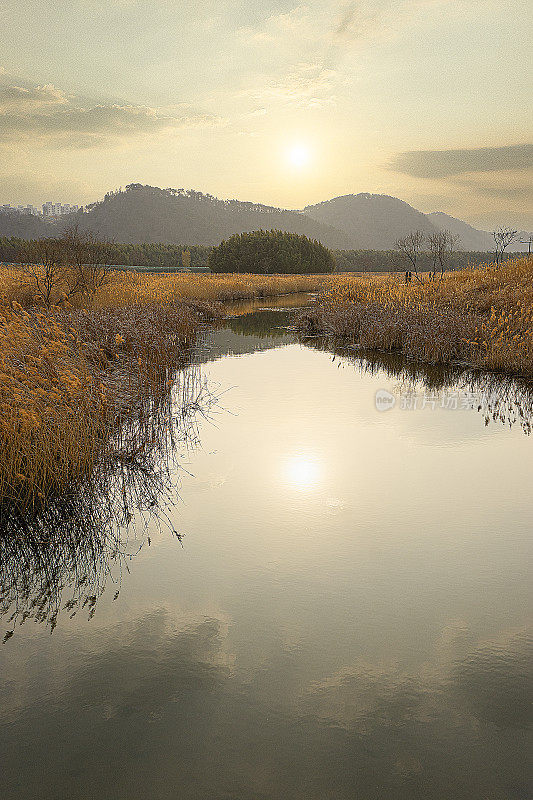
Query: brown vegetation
(83,349)
(481,316)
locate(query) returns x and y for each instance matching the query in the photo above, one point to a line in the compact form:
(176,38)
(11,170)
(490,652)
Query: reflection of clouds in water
(167,702)
(158,666)
(487,681)
(495,680)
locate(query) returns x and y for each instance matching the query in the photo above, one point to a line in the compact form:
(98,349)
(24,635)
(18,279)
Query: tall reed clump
(69,379)
(52,406)
(483,316)
(133,288)
(79,539)
(77,361)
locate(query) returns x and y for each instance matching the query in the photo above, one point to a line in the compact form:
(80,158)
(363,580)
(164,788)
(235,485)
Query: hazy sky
(271,100)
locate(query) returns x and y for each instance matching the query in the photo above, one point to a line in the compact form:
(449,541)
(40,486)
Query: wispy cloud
(307,85)
(21,99)
(434,164)
(507,188)
(370,19)
(318,39)
(46,115)
(297,21)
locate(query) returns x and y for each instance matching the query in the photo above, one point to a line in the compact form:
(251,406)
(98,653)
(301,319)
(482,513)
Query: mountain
(148,214)
(141,214)
(470,238)
(24,226)
(373,221)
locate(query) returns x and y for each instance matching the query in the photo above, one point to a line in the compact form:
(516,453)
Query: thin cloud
(434,164)
(358,21)
(45,115)
(306,86)
(294,22)
(21,99)
(321,41)
(370,20)
(511,187)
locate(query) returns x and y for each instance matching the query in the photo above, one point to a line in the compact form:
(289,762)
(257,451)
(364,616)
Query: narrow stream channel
(345,616)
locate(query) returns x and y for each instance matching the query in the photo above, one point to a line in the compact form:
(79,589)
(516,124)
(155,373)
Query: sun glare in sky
(299,155)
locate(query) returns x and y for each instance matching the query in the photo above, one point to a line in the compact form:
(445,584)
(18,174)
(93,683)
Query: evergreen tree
(270,252)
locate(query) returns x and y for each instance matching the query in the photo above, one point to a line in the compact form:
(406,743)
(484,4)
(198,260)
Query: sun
(298,155)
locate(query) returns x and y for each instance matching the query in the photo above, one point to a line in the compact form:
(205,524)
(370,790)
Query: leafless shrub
(441,246)
(411,247)
(58,270)
(503,236)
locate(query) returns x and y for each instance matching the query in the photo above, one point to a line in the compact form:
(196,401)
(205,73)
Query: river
(343,614)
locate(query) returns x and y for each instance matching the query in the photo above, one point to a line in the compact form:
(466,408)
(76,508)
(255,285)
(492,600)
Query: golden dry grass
(69,379)
(483,316)
(51,405)
(134,288)
(71,373)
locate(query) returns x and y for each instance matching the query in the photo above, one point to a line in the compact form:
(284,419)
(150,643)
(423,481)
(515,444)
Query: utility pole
(529,242)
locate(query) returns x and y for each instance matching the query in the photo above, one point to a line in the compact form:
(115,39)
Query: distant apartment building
(48,209)
(29,209)
(58,209)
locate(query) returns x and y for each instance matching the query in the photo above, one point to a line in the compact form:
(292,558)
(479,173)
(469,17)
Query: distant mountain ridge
(471,238)
(374,221)
(149,214)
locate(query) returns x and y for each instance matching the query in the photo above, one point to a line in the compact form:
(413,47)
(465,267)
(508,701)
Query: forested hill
(470,238)
(148,214)
(374,221)
(25,226)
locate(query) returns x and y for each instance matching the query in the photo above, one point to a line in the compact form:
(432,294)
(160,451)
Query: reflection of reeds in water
(499,398)
(61,556)
(264,324)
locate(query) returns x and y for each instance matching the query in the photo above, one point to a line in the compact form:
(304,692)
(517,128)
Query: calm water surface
(345,617)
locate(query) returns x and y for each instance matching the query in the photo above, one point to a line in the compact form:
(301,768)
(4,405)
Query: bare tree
(441,246)
(503,237)
(44,270)
(58,269)
(88,257)
(411,247)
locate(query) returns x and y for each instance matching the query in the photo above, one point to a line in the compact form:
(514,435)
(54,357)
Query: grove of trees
(269,252)
(154,256)
(14,249)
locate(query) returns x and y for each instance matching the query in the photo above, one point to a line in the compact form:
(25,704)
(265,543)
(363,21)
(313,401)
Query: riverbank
(73,373)
(70,379)
(121,289)
(482,316)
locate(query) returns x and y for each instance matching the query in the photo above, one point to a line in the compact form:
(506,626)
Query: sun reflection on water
(302,472)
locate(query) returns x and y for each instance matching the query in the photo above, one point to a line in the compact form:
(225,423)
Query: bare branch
(503,236)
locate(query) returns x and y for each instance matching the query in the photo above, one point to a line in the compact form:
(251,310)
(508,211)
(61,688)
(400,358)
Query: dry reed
(481,316)
(72,373)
